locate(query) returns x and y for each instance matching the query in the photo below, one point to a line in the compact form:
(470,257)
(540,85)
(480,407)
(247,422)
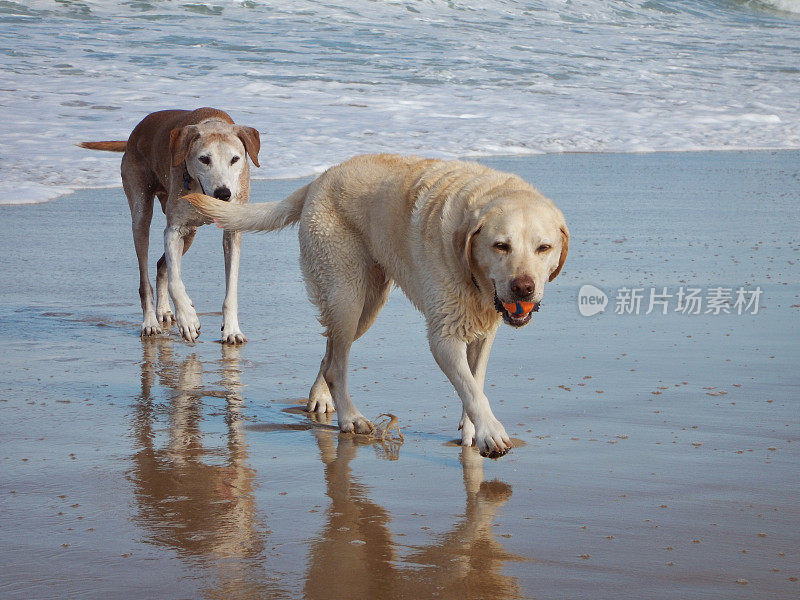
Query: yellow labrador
(169,153)
(470,246)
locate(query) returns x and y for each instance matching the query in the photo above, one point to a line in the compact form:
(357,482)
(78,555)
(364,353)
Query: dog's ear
(251,140)
(180,140)
(564,249)
(462,241)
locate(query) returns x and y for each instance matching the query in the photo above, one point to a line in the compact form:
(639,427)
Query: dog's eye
(502,246)
(235,159)
(206,160)
(543,248)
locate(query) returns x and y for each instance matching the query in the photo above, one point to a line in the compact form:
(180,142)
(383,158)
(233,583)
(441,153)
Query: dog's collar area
(187,179)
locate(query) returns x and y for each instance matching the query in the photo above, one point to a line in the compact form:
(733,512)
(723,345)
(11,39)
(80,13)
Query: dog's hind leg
(163,310)
(140,201)
(319,398)
(337,275)
(375,296)
(340,339)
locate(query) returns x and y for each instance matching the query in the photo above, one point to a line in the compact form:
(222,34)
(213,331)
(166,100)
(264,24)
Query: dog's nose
(222,193)
(522,286)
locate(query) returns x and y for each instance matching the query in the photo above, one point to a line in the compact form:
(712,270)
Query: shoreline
(467,157)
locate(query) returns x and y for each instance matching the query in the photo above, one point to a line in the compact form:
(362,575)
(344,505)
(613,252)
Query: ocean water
(326,80)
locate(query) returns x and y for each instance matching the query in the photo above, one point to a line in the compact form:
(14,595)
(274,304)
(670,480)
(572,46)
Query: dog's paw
(189,332)
(467,430)
(320,404)
(492,439)
(357,424)
(233,337)
(165,318)
(150,326)
(188,325)
(319,398)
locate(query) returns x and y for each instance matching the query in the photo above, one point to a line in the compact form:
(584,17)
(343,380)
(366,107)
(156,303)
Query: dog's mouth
(515,314)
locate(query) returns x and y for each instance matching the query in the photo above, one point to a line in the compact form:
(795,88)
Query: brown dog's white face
(518,245)
(215,154)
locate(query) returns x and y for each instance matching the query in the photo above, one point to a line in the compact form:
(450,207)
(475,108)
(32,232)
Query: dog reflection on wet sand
(192,496)
(199,499)
(358,546)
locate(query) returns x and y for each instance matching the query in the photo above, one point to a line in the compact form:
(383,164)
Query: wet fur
(428,226)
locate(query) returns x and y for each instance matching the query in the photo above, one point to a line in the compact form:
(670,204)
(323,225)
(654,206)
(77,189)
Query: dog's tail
(118,146)
(263,216)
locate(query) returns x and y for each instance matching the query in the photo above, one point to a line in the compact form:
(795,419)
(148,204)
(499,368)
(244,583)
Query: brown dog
(168,154)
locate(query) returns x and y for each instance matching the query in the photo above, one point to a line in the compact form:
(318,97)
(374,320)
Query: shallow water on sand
(659,455)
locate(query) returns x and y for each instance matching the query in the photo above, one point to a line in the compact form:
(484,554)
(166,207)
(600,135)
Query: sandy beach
(656,453)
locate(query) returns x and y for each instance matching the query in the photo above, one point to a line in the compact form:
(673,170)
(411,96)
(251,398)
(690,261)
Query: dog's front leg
(451,356)
(478,358)
(185,315)
(232,248)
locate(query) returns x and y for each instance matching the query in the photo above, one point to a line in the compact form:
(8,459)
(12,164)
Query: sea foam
(323,82)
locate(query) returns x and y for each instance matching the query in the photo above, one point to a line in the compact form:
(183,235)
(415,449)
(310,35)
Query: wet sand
(658,453)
